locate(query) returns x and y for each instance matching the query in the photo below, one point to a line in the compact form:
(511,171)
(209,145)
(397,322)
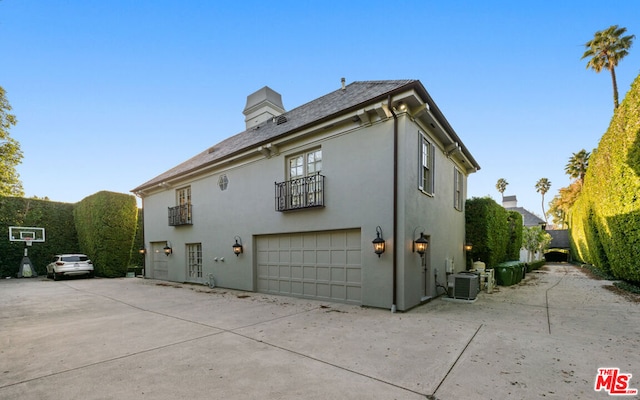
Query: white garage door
(320,265)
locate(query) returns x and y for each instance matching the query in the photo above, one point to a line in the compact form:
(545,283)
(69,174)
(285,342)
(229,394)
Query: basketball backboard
(30,234)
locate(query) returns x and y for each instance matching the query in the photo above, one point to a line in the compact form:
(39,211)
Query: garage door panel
(285,272)
(323,257)
(339,292)
(323,274)
(354,257)
(321,265)
(285,287)
(338,275)
(309,273)
(309,257)
(323,290)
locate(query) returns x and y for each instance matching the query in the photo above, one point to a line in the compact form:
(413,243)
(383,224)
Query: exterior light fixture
(420,244)
(237,247)
(378,242)
(142,250)
(468,246)
(168,250)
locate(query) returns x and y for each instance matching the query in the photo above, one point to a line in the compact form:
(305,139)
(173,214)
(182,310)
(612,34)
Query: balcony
(180,215)
(300,193)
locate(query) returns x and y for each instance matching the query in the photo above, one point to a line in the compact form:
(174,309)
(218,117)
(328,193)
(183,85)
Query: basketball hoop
(28,241)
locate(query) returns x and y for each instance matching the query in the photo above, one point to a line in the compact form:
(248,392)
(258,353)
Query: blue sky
(109,94)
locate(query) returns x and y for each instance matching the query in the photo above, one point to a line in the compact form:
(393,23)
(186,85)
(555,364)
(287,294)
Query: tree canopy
(605,51)
(10,153)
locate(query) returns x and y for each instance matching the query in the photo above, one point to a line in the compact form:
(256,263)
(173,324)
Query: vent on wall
(281,120)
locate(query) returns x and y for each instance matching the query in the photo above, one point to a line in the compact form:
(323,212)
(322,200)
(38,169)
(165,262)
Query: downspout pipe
(395,205)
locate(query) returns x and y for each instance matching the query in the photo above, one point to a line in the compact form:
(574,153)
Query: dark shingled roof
(355,95)
(528,218)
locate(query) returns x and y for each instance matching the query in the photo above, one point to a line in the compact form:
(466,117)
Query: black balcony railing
(307,192)
(180,215)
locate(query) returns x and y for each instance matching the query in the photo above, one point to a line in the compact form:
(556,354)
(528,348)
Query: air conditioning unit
(463,286)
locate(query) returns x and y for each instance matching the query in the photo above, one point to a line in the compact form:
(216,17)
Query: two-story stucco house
(302,194)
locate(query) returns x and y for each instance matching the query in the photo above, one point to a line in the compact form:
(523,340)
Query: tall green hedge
(515,223)
(106,223)
(604,222)
(495,233)
(60,232)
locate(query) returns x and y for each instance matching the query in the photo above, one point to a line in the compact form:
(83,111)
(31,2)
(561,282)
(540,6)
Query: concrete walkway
(143,339)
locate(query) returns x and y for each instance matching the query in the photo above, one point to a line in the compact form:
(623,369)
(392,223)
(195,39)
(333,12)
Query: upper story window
(304,187)
(181,213)
(427,166)
(458,189)
(305,164)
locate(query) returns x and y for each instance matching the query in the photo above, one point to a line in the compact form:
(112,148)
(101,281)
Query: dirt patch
(168,285)
(632,297)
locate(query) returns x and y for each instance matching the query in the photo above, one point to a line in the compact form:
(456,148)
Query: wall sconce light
(237,247)
(420,244)
(468,246)
(167,249)
(378,242)
(142,250)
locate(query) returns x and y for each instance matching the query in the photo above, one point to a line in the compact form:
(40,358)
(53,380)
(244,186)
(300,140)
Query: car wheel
(91,275)
(56,277)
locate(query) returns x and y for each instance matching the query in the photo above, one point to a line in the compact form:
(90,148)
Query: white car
(70,265)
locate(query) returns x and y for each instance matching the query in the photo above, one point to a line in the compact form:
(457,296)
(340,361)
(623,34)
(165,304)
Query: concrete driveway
(143,339)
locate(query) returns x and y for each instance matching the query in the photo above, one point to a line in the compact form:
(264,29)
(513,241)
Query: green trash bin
(517,272)
(504,275)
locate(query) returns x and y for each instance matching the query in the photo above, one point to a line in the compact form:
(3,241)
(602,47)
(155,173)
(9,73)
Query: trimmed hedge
(60,232)
(604,222)
(494,231)
(514,219)
(106,223)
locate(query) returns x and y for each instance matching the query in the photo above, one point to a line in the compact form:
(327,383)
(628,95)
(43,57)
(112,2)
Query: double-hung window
(458,189)
(426,178)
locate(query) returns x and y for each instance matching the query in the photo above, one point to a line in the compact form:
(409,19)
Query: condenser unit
(463,286)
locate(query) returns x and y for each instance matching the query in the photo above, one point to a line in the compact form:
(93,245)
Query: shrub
(106,224)
(488,228)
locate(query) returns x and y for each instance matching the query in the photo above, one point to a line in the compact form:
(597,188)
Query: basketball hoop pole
(27,243)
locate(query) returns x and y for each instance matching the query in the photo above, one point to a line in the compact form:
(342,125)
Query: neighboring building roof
(559,239)
(343,100)
(528,218)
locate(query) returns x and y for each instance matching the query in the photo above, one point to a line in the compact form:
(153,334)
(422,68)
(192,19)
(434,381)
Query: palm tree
(576,168)
(502,186)
(542,187)
(605,50)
